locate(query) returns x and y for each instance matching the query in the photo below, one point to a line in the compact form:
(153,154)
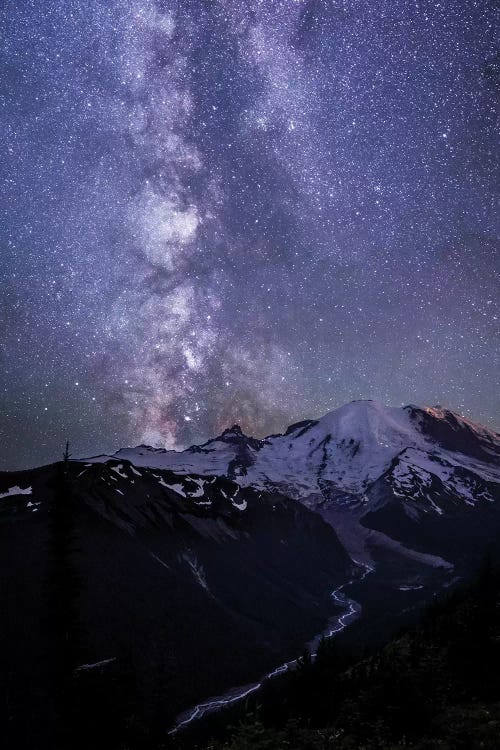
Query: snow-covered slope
(338,459)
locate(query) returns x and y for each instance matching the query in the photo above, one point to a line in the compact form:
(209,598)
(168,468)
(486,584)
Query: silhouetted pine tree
(64,585)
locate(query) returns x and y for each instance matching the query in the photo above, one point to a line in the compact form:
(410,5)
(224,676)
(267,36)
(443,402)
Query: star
(264,210)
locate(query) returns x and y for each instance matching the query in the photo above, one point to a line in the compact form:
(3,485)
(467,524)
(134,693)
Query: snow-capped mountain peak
(339,457)
(233,432)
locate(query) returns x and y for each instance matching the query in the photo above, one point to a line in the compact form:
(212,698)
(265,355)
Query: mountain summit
(364,465)
(344,452)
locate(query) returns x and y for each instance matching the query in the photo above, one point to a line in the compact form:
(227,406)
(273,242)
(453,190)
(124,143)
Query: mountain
(399,478)
(341,455)
(204,569)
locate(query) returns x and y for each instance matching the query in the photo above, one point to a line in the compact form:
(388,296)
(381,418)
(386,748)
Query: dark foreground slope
(176,588)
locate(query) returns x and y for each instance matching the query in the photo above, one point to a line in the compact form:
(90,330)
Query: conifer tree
(64,586)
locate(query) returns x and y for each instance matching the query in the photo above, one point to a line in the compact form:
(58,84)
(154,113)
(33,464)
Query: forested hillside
(435,686)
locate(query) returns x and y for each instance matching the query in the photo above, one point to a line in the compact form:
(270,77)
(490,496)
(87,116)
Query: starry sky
(243,211)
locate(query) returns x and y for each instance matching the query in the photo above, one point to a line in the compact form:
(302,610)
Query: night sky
(243,211)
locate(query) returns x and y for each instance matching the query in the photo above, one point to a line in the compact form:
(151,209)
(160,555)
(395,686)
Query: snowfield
(339,457)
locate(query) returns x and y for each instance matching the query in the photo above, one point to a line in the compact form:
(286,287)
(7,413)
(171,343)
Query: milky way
(251,212)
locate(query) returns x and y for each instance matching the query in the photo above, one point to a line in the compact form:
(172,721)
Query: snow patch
(155,557)
(16,491)
(178,488)
(196,568)
(239,506)
(118,470)
(199,491)
(95,665)
(410,588)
